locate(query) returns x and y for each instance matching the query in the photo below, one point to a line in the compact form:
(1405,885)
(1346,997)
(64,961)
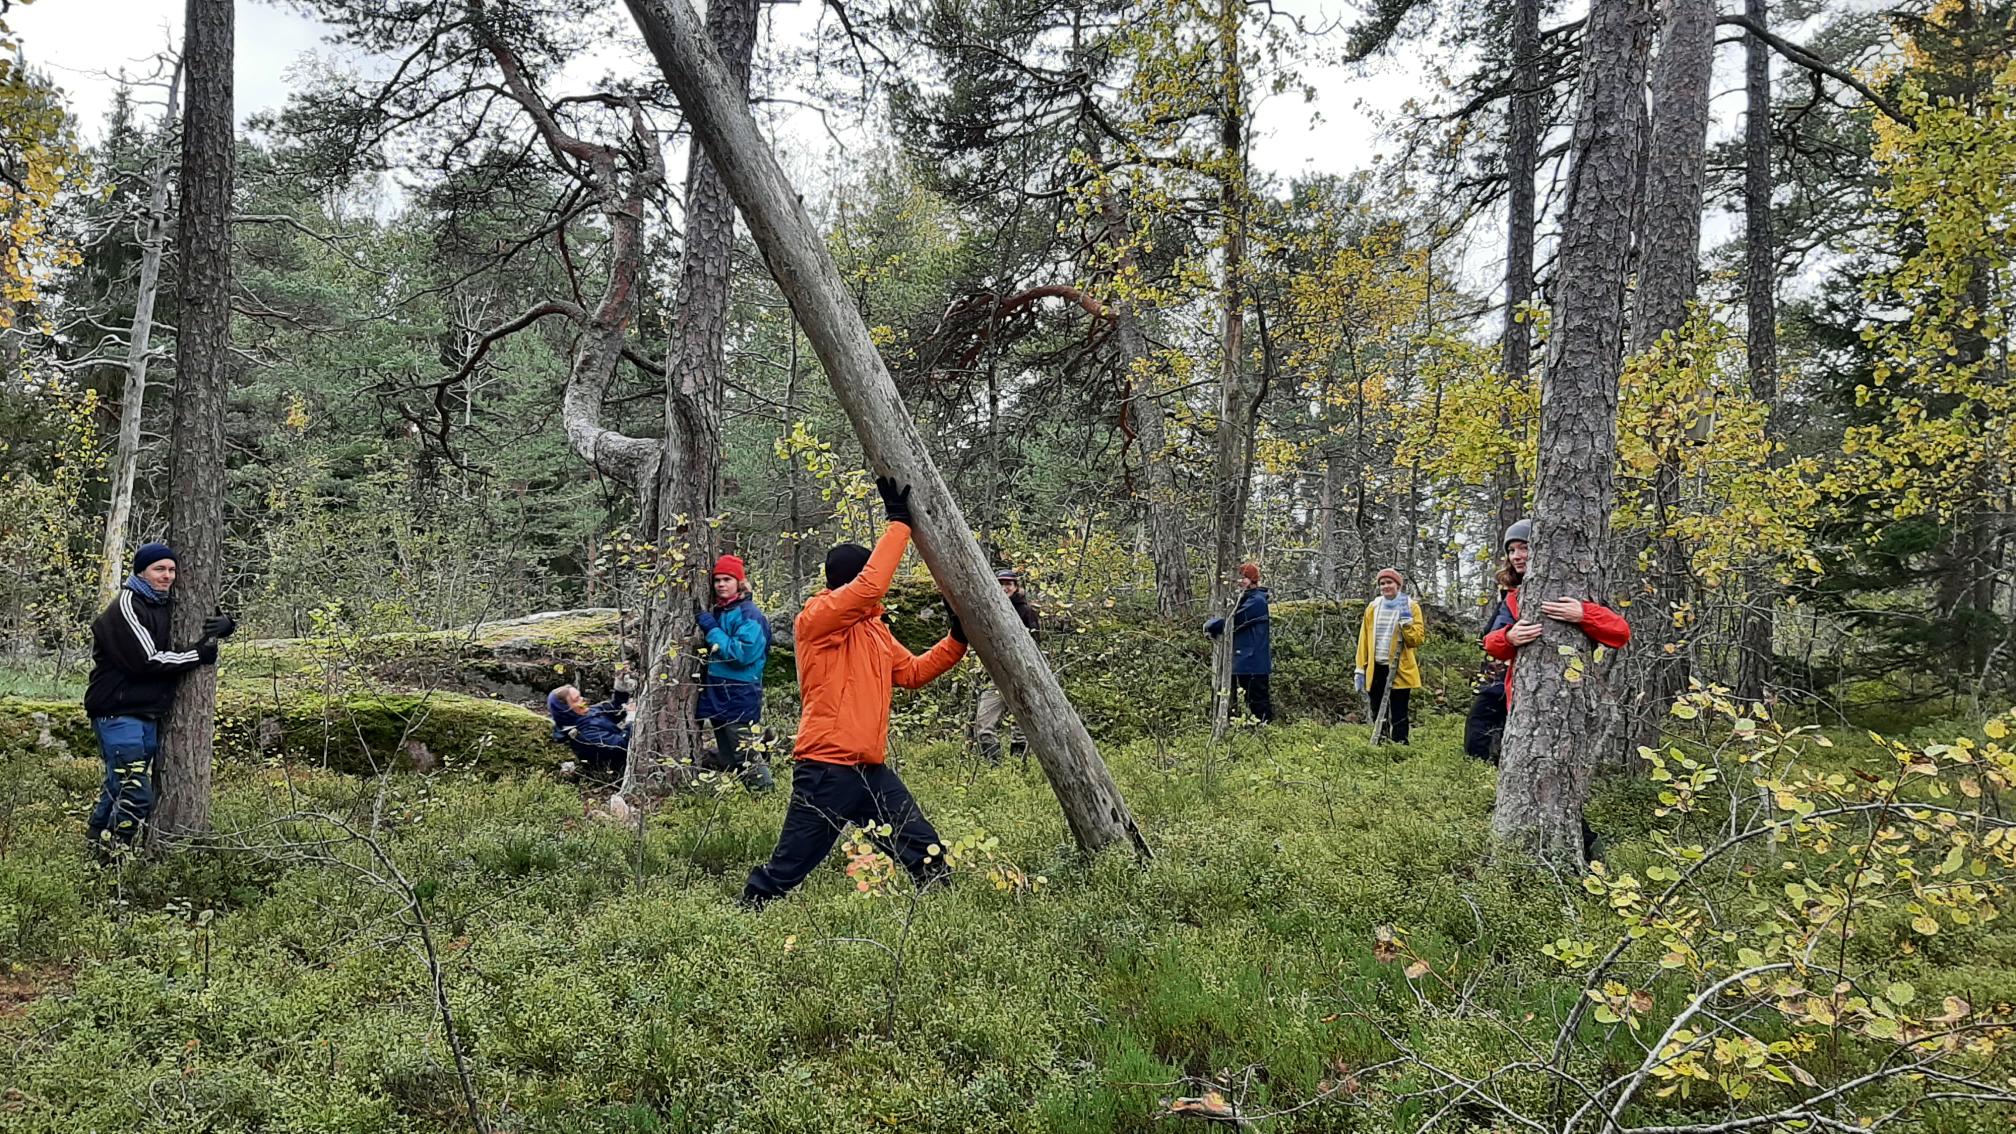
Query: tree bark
(196,438)
(1232,469)
(1522,160)
(1668,276)
(804,270)
(1550,741)
(1755,668)
(126,454)
(685,495)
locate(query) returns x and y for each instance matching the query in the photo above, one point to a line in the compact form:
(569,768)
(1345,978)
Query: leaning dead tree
(153,225)
(804,270)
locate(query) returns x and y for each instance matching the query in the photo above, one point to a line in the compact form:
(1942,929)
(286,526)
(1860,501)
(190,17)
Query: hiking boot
(990,748)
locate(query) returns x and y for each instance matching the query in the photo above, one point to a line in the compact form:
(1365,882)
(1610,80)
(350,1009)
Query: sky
(84,44)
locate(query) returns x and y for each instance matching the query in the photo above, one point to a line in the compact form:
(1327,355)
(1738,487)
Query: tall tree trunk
(1161,496)
(196,438)
(685,492)
(1232,469)
(1550,740)
(805,272)
(1668,275)
(1329,547)
(1522,160)
(1755,667)
(126,454)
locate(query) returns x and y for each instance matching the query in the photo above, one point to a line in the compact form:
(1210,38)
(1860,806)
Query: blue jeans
(128,746)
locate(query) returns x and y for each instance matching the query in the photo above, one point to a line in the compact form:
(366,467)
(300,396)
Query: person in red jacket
(1604,626)
(848,663)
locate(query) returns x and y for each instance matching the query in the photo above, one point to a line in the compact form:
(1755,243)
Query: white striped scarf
(1385,624)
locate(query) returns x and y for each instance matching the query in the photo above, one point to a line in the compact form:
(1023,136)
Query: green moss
(356,733)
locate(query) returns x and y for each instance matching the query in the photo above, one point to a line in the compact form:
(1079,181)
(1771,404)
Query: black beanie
(844,562)
(150,554)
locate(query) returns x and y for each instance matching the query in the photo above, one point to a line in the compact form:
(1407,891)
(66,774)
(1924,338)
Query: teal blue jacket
(741,644)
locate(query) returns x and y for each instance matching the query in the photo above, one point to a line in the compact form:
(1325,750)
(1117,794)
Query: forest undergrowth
(1318,942)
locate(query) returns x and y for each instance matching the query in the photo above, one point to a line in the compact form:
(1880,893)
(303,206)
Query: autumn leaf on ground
(1211,1106)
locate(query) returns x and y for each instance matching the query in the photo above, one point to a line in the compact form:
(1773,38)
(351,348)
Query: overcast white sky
(82,43)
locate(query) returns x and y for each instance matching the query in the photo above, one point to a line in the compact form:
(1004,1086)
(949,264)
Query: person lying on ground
(598,735)
(848,666)
(731,700)
(1388,636)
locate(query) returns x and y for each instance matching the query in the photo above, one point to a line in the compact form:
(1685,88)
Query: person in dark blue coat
(598,735)
(1252,644)
(731,702)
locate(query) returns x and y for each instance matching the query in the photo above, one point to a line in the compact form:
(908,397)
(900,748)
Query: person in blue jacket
(1252,644)
(598,735)
(731,702)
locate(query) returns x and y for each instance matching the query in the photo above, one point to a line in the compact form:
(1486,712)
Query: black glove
(895,500)
(219,625)
(958,628)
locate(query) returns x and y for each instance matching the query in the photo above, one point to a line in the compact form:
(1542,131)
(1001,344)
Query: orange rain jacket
(848,661)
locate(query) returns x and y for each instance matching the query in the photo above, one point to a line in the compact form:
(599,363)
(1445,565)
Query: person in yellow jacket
(1388,636)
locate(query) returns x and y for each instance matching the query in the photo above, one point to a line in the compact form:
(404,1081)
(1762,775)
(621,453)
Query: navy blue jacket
(597,736)
(1252,635)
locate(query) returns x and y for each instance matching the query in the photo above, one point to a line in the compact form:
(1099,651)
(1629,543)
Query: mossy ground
(601,983)
(605,982)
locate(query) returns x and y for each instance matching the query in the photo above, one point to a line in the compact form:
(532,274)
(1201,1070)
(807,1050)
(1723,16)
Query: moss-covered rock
(357,733)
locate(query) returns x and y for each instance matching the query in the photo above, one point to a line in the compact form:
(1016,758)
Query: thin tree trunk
(126,454)
(801,569)
(1755,667)
(804,269)
(1551,739)
(686,491)
(1232,473)
(1522,159)
(1161,496)
(196,439)
(1668,274)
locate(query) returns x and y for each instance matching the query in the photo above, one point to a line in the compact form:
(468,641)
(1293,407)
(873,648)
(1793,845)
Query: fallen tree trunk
(797,256)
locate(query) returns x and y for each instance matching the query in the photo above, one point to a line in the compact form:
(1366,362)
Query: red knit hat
(1251,571)
(1398,579)
(732,566)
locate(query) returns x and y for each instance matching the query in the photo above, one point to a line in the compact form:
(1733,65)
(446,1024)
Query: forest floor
(286,979)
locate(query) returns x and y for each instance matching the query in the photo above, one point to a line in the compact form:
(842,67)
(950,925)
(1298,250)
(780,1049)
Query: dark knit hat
(150,554)
(844,562)
(1007,575)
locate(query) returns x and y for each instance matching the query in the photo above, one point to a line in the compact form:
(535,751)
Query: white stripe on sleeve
(146,640)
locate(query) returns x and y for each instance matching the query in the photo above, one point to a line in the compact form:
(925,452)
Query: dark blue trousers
(825,798)
(128,746)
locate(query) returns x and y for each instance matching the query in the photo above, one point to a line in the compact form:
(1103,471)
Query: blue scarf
(140,587)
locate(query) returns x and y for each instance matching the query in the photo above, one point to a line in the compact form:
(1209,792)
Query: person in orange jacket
(848,663)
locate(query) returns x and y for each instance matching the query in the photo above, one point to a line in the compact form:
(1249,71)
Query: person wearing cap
(135,670)
(1486,723)
(848,666)
(1388,636)
(1252,644)
(993,706)
(738,645)
(1599,623)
